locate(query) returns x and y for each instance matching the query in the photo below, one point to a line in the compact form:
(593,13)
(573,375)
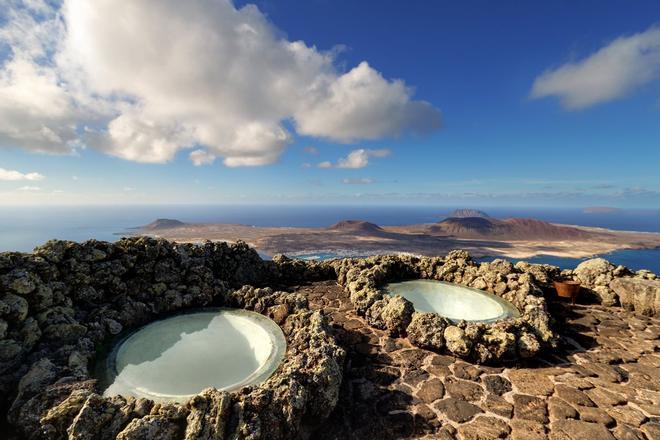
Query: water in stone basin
(453,301)
(178,357)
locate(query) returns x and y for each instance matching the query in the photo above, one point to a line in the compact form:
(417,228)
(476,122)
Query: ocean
(23,228)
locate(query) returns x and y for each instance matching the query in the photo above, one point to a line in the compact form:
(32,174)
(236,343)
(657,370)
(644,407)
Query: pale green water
(178,357)
(453,301)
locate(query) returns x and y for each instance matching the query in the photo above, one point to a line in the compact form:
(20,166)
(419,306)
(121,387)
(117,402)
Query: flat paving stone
(531,382)
(560,410)
(497,405)
(457,410)
(530,408)
(413,358)
(425,412)
(467,371)
(605,372)
(496,384)
(463,389)
(572,395)
(596,415)
(653,410)
(522,429)
(484,428)
(447,432)
(579,430)
(652,430)
(628,415)
(431,390)
(575,381)
(415,377)
(604,397)
(625,432)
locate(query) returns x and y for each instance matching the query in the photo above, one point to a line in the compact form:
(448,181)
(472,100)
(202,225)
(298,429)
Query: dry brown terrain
(514,238)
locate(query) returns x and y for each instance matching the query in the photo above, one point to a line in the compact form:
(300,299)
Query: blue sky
(587,133)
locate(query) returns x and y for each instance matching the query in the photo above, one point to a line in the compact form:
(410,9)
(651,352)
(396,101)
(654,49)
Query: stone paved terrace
(603,382)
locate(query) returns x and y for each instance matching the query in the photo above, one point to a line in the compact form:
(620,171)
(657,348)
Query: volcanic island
(473,231)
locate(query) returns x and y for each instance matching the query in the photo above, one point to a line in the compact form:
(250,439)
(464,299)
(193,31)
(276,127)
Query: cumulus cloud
(223,87)
(29,188)
(11,175)
(356,159)
(361,104)
(610,73)
(36,114)
(201,157)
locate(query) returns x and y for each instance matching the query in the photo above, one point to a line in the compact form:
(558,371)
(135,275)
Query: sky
(473,103)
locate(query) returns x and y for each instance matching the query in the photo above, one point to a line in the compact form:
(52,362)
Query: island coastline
(358,238)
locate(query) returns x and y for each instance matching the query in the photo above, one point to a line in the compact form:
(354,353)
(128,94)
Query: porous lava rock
(426,330)
(482,342)
(638,294)
(617,285)
(597,274)
(60,303)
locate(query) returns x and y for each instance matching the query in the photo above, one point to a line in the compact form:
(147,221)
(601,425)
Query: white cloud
(36,114)
(361,104)
(361,181)
(201,157)
(11,175)
(383,152)
(612,72)
(29,188)
(356,159)
(224,86)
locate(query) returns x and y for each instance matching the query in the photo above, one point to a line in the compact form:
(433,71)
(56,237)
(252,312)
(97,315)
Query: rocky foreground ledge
(502,340)
(58,304)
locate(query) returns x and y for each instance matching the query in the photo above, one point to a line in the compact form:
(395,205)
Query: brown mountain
(357,227)
(466,212)
(510,229)
(163,223)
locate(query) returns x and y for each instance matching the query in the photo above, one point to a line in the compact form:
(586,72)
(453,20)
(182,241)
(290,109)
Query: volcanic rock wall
(60,303)
(481,342)
(617,285)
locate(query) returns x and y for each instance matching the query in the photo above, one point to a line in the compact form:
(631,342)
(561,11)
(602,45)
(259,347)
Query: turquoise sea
(23,228)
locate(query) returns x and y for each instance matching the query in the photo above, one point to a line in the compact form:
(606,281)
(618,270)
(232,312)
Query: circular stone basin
(453,301)
(176,358)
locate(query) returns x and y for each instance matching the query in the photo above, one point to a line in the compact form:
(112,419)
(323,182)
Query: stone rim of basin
(114,384)
(507,310)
